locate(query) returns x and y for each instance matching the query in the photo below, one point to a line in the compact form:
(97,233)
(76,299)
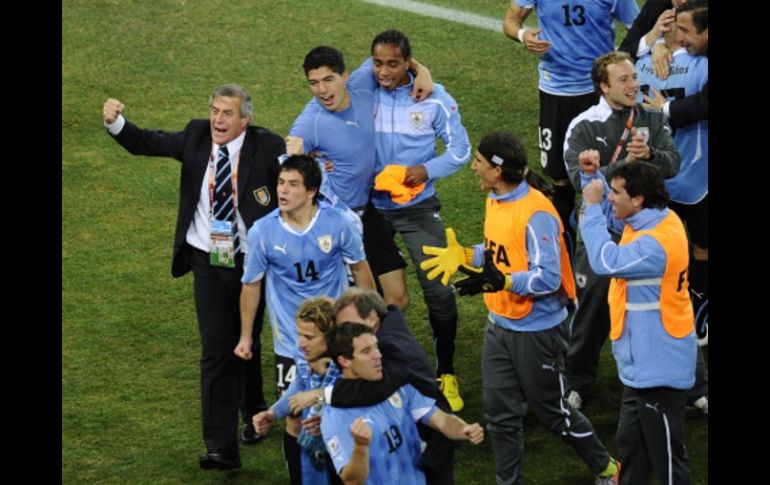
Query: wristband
(521,33)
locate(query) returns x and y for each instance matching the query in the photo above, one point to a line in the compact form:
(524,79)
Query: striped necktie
(224,209)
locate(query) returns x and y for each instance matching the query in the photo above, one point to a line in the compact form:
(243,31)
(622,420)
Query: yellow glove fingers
(451,238)
(432,250)
(430,263)
(434,272)
(445,278)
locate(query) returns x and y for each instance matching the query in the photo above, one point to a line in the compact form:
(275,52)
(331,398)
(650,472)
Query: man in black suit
(234,202)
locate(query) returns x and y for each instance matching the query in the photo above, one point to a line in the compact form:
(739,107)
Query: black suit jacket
(688,110)
(257,172)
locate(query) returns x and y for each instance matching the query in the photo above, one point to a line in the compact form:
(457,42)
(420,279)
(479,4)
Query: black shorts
(285,372)
(696,219)
(382,253)
(556,113)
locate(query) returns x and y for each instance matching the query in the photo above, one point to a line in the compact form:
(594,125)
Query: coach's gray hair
(233,91)
(364,299)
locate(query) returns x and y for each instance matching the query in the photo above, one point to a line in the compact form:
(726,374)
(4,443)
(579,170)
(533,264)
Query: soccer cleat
(575,400)
(702,403)
(612,472)
(451,391)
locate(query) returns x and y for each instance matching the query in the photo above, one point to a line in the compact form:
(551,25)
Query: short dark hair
(642,178)
(364,299)
(599,73)
(324,56)
(396,38)
(699,10)
(308,168)
(339,340)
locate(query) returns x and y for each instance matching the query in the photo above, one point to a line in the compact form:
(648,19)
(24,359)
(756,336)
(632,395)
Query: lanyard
(624,136)
(233,180)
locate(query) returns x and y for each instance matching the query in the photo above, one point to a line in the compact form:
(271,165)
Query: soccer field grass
(130,345)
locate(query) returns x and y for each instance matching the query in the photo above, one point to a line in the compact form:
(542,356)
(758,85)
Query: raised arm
(153,143)
(645,24)
(356,471)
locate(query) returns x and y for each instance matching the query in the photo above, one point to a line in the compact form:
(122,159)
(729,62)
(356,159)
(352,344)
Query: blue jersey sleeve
(281,406)
(421,407)
(337,438)
(352,244)
(255,262)
(363,77)
(642,258)
(305,126)
(543,275)
(448,127)
(626,11)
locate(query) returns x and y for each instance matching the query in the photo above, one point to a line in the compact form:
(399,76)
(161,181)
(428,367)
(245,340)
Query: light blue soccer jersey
(306,380)
(688,75)
(345,137)
(406,132)
(579,31)
(298,265)
(394,451)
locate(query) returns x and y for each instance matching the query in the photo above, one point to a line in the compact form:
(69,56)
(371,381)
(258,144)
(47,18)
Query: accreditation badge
(222,244)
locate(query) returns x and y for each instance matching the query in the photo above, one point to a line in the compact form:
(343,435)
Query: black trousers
(590,323)
(650,436)
(228,384)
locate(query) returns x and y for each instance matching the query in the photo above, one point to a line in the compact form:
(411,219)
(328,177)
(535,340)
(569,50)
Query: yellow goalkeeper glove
(446,260)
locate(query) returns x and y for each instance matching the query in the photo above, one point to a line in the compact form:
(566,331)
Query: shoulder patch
(395,400)
(333,445)
(262,195)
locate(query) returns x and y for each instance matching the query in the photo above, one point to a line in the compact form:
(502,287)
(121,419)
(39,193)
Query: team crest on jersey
(325,243)
(416,118)
(262,195)
(333,445)
(395,400)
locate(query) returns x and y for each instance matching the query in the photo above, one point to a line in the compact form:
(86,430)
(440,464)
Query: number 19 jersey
(394,450)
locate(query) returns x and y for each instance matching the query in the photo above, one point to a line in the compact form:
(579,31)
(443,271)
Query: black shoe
(221,459)
(248,435)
